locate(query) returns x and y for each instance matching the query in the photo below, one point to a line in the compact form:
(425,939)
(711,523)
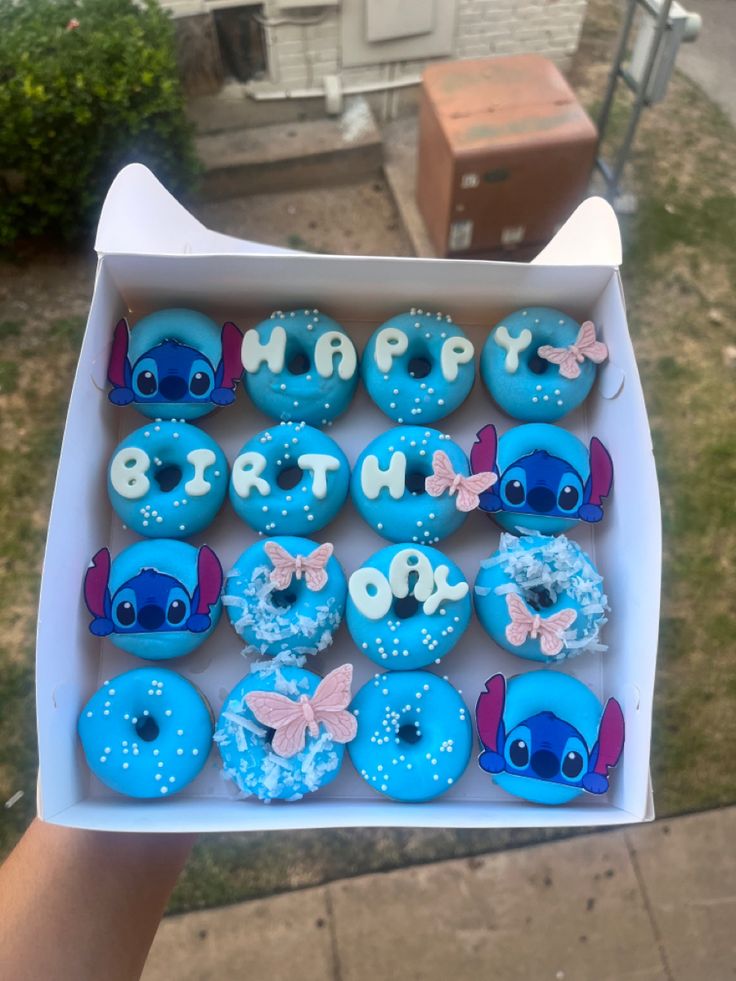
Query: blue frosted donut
(246,745)
(539,364)
(414,735)
(418,367)
(546,737)
(174,364)
(542,598)
(547,480)
(146,733)
(286,595)
(289,480)
(389,486)
(158,599)
(408,606)
(167,480)
(300,366)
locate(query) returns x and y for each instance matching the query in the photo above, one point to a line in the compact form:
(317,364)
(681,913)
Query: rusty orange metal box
(505,153)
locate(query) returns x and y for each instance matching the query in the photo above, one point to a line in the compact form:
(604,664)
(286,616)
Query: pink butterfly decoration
(311,567)
(570,358)
(525,624)
(467,489)
(290,719)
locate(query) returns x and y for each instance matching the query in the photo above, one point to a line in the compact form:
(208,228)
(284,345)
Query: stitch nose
(172,387)
(541,499)
(151,617)
(545,764)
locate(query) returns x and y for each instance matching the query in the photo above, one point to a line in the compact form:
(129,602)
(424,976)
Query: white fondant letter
(253,353)
(455,351)
(247,471)
(391,343)
(443,591)
(373,479)
(319,464)
(330,343)
(128,472)
(200,460)
(403,564)
(370,592)
(513,346)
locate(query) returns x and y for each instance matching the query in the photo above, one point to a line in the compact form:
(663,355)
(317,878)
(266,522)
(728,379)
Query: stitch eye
(199,383)
(513,490)
(572,765)
(519,753)
(145,379)
(569,492)
(146,383)
(125,614)
(568,498)
(176,612)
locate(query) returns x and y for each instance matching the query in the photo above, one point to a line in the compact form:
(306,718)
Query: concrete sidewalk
(651,902)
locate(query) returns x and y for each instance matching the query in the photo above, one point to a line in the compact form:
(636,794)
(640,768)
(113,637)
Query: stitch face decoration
(158,600)
(535,752)
(175,363)
(544,474)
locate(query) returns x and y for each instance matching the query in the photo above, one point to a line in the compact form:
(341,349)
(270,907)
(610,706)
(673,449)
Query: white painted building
(288,45)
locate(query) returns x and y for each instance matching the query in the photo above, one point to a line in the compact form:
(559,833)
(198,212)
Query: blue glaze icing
(306,371)
(143,468)
(247,757)
(550,575)
(414,735)
(146,733)
(522,392)
(157,599)
(300,509)
(404,370)
(569,700)
(408,606)
(413,515)
(174,364)
(293,620)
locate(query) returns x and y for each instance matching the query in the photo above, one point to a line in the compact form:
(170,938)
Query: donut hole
(409,732)
(537,365)
(298,363)
(289,477)
(147,728)
(405,606)
(167,476)
(419,366)
(414,482)
(282,599)
(268,738)
(539,598)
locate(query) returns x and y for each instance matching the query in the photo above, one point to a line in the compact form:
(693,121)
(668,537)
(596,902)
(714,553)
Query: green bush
(86,86)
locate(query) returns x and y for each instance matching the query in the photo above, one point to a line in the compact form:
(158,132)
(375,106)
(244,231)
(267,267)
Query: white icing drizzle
(390,343)
(200,460)
(273,352)
(455,351)
(128,472)
(330,344)
(247,471)
(373,479)
(319,464)
(513,346)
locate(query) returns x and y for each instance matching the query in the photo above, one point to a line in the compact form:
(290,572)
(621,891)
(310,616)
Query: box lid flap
(589,237)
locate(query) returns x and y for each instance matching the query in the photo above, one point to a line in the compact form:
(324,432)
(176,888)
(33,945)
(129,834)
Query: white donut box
(153,254)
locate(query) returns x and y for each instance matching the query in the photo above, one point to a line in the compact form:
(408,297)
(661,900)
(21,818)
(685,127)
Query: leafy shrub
(86,86)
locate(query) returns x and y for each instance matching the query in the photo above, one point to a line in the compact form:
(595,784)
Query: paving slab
(709,61)
(276,939)
(572,910)
(687,869)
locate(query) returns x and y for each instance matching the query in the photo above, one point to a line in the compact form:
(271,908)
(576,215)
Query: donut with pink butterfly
(285,597)
(538,363)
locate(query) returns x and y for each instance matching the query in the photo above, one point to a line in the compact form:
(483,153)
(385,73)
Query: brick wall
(301,55)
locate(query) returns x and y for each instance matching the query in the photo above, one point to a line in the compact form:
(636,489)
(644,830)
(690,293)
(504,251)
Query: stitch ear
(207,593)
(118,369)
(599,483)
(607,750)
(96,593)
(489,713)
(483,459)
(231,367)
